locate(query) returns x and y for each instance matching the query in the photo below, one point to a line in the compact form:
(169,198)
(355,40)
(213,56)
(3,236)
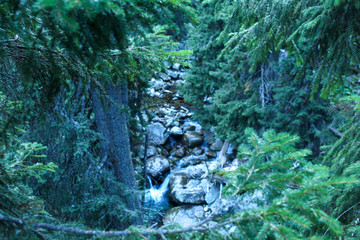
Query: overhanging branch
(199,227)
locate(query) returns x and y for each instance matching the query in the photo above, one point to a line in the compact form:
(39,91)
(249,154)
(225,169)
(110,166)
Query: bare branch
(336,132)
(159,232)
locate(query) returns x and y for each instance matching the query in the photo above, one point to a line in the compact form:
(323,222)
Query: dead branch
(199,227)
(335,132)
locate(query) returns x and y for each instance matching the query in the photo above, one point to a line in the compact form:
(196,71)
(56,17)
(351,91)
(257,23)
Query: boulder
(209,137)
(192,139)
(212,191)
(157,135)
(194,171)
(217,145)
(185,216)
(176,131)
(183,190)
(157,166)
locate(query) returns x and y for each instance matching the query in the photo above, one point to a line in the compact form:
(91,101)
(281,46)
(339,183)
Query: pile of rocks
(180,146)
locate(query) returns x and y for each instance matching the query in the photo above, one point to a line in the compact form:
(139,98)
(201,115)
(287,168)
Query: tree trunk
(112,122)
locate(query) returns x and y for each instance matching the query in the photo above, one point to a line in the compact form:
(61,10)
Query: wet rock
(157,166)
(156,119)
(197,171)
(217,145)
(189,128)
(181,115)
(192,160)
(185,216)
(176,66)
(179,152)
(183,190)
(211,154)
(192,139)
(176,131)
(170,122)
(198,151)
(209,137)
(157,135)
(164,77)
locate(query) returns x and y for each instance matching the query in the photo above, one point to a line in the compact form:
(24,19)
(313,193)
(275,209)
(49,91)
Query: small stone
(164,77)
(176,66)
(198,151)
(211,154)
(180,152)
(173,74)
(176,131)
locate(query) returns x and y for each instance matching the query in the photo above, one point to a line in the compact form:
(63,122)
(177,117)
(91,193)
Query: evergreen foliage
(293,190)
(236,82)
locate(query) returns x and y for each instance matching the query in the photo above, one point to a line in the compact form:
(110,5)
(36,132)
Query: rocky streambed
(181,156)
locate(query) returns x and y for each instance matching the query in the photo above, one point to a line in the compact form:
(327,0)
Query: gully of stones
(180,158)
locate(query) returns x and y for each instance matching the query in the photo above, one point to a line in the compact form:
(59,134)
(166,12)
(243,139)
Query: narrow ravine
(181,157)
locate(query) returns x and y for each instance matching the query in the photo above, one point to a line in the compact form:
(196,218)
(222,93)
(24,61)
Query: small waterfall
(157,194)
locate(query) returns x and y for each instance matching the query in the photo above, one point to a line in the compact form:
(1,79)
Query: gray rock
(176,66)
(183,190)
(173,74)
(164,77)
(192,139)
(211,154)
(170,122)
(198,151)
(217,145)
(181,115)
(157,135)
(212,192)
(209,137)
(185,216)
(189,128)
(157,85)
(195,171)
(157,166)
(176,131)
(192,160)
(156,119)
(151,151)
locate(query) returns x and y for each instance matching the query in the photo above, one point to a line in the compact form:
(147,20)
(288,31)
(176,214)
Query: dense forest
(179,119)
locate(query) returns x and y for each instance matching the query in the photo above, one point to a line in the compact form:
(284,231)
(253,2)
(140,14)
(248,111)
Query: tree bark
(112,122)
